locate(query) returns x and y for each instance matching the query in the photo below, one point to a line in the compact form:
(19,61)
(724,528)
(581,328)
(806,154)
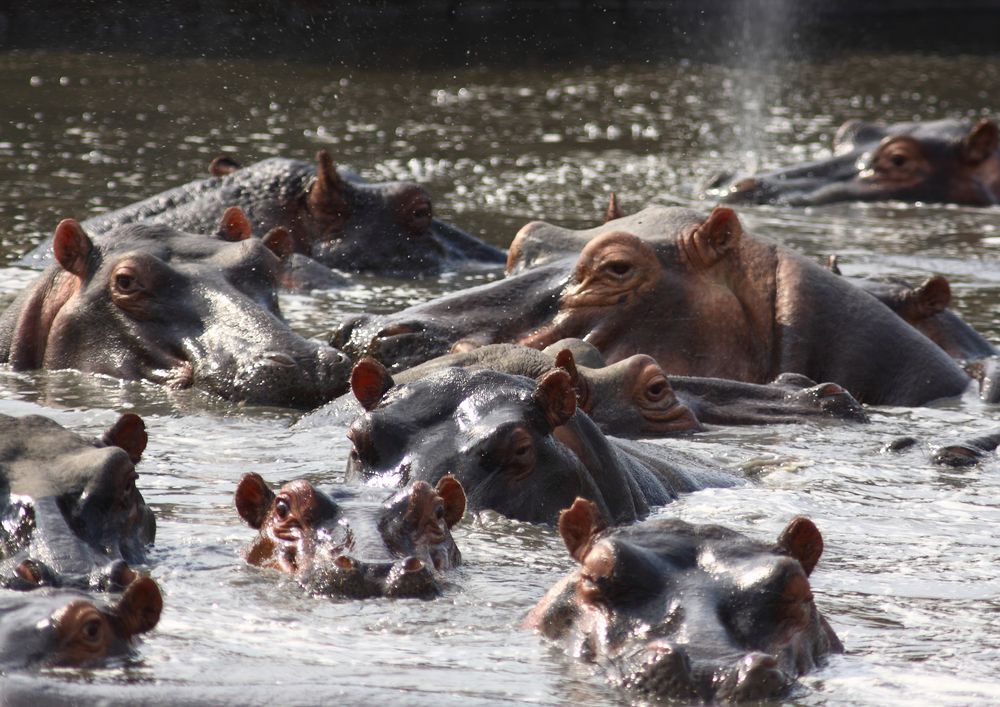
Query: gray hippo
(354,542)
(950,161)
(150,302)
(693,613)
(698,294)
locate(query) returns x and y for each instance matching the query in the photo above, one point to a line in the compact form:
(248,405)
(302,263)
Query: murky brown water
(909,578)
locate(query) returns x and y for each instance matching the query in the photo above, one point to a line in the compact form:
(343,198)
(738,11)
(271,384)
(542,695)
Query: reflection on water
(909,575)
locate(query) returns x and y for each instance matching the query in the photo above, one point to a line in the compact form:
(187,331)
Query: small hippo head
(696,613)
(941,161)
(67,629)
(353,547)
(149,302)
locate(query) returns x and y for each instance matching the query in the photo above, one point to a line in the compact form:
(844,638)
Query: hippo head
(942,161)
(354,549)
(693,613)
(501,436)
(67,629)
(149,302)
(78,518)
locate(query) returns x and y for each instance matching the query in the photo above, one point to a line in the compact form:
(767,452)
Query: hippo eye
(657,389)
(125,282)
(618,268)
(281,508)
(898,159)
(91,631)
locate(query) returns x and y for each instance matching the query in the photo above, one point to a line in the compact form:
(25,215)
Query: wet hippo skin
(696,613)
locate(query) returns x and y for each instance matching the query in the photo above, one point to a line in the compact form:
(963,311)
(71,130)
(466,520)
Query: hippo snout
(350,577)
(396,344)
(755,677)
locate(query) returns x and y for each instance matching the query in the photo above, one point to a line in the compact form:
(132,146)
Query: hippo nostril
(412,564)
(345,563)
(397,330)
(280,358)
(828,390)
(745,185)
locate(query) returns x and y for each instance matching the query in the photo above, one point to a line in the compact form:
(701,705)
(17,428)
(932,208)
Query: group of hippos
(525,396)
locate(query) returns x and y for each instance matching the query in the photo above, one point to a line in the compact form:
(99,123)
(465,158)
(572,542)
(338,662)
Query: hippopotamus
(948,161)
(71,512)
(520,447)
(695,613)
(966,452)
(332,216)
(66,628)
(635,398)
(699,294)
(350,542)
(150,302)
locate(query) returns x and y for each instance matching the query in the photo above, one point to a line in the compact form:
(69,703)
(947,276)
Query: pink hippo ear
(981,142)
(138,611)
(614,210)
(578,525)
(253,499)
(280,242)
(934,295)
(129,433)
(709,242)
(234,225)
(451,492)
(556,396)
(802,540)
(326,196)
(223,165)
(369,382)
(72,247)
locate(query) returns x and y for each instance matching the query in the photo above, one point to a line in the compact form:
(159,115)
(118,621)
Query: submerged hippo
(64,628)
(71,512)
(951,161)
(698,294)
(696,613)
(150,302)
(349,543)
(335,218)
(635,398)
(519,447)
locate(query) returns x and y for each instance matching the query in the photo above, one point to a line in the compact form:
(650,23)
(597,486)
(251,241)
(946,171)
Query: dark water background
(909,578)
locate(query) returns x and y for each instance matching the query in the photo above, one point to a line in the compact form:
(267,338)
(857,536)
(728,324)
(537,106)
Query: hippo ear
(981,142)
(253,499)
(326,196)
(129,433)
(802,540)
(565,361)
(614,210)
(280,242)
(72,247)
(138,611)
(578,525)
(369,382)
(556,396)
(709,242)
(934,295)
(832,265)
(223,165)
(234,225)
(450,490)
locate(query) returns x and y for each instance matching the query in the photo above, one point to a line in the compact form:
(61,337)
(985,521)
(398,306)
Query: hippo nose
(342,335)
(757,677)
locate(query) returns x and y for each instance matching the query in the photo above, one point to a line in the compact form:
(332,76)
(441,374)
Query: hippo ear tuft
(280,242)
(981,142)
(934,295)
(234,225)
(72,246)
(138,610)
(369,382)
(129,433)
(556,396)
(223,165)
(716,236)
(450,490)
(802,540)
(578,525)
(253,499)
(614,210)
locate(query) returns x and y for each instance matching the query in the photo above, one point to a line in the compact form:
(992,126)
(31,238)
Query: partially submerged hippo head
(63,628)
(348,547)
(149,302)
(72,514)
(948,161)
(687,612)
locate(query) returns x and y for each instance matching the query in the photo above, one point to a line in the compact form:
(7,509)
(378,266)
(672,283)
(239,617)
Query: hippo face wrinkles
(677,611)
(148,302)
(941,161)
(354,545)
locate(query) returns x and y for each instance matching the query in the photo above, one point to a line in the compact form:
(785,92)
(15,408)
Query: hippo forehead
(454,391)
(654,223)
